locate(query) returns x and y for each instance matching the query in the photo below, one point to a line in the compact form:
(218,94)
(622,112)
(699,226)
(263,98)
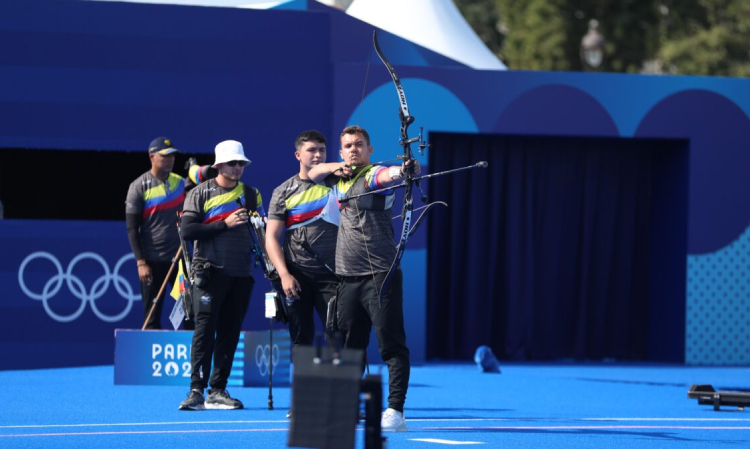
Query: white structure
(434,24)
(338,4)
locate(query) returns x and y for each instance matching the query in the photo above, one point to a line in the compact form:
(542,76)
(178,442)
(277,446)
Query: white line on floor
(665,419)
(446,441)
(143,424)
(496,419)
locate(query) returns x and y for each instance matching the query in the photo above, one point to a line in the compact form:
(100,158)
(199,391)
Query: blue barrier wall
(66,286)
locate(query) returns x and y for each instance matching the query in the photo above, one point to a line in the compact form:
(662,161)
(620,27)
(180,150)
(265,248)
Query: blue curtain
(545,254)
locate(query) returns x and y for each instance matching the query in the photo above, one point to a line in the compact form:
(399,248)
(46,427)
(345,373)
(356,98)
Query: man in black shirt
(222,265)
(150,207)
(365,251)
(307,216)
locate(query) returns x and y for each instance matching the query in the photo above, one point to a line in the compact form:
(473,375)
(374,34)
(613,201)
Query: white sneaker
(392,421)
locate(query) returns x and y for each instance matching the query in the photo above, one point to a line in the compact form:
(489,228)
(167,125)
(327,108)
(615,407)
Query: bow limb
(408,171)
(404,107)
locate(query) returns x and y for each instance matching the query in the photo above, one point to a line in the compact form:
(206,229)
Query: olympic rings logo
(77,288)
(263,358)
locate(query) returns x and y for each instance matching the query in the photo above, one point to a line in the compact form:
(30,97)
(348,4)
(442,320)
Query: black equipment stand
(326,391)
(707,395)
(372,392)
(270,368)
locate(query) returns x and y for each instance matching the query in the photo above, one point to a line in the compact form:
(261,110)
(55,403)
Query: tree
(695,37)
(536,35)
(546,34)
(706,37)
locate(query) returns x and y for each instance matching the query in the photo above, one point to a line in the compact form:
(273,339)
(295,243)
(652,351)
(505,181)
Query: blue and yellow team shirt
(368,177)
(316,202)
(166,196)
(219,207)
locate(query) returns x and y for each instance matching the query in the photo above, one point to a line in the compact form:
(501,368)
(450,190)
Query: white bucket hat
(229,151)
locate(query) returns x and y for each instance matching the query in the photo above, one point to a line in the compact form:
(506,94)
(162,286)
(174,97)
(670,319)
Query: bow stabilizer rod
(479,165)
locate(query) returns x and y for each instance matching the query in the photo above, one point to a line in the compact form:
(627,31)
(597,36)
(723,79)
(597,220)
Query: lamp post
(592,47)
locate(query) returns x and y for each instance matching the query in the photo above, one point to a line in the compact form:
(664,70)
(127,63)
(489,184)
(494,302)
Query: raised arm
(318,173)
(394,174)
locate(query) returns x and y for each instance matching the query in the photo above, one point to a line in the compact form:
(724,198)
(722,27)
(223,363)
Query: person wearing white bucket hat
(228,151)
(222,266)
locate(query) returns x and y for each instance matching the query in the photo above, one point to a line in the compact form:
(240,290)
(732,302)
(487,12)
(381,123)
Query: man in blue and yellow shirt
(365,250)
(307,216)
(223,282)
(150,206)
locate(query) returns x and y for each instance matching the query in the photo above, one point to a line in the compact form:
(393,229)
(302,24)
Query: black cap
(162,146)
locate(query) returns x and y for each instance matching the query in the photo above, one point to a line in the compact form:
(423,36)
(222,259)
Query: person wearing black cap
(150,206)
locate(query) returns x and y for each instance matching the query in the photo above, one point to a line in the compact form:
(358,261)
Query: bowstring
(367,250)
(356,202)
(364,88)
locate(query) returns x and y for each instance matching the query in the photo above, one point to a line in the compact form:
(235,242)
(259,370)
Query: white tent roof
(434,24)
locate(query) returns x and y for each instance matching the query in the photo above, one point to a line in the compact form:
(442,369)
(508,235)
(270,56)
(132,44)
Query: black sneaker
(220,399)
(194,401)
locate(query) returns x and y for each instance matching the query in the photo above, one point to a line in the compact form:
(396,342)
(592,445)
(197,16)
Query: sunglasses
(234,163)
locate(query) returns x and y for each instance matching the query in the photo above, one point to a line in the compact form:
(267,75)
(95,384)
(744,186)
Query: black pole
(373,394)
(270,368)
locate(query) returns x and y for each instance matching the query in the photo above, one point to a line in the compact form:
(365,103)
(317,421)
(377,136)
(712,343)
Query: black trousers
(159,270)
(220,308)
(317,289)
(360,310)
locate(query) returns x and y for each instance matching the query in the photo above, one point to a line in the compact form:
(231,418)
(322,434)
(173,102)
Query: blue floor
(448,406)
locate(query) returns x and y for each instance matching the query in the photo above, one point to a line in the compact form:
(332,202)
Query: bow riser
(404,108)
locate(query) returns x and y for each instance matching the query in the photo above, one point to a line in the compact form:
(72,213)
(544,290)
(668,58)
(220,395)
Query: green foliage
(695,37)
(536,35)
(546,34)
(707,37)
